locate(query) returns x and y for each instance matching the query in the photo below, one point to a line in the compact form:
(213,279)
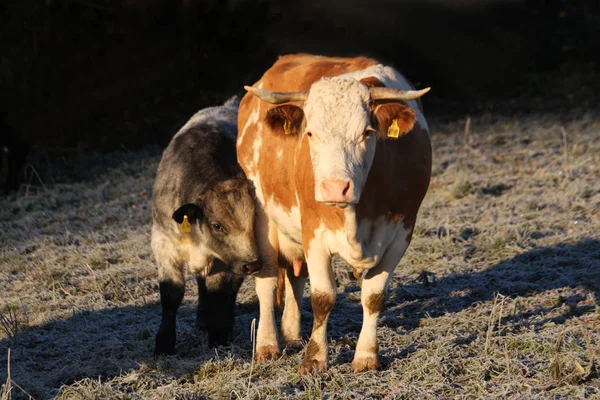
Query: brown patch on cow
(280,294)
(322,303)
(288,116)
(283,266)
(244,147)
(371,81)
(312,349)
(399,176)
(268,352)
(385,114)
(313,214)
(311,363)
(281,67)
(310,68)
(275,173)
(294,72)
(366,363)
(375,303)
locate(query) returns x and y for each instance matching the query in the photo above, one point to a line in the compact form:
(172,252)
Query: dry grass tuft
(509,232)
(9,323)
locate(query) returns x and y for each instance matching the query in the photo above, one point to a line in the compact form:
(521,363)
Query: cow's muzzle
(335,192)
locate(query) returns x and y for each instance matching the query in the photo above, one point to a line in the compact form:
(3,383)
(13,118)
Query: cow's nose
(336,191)
(253,267)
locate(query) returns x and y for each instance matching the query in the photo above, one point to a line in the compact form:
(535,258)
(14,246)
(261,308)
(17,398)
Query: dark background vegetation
(81,76)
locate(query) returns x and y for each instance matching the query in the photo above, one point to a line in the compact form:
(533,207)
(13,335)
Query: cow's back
(299,71)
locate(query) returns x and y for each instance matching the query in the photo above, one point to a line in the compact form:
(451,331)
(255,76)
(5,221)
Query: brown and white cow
(340,155)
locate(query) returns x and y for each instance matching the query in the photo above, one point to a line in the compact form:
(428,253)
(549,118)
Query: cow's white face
(342,130)
(341,138)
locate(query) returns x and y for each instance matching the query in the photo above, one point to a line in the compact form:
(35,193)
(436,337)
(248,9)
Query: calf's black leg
(171,295)
(217,293)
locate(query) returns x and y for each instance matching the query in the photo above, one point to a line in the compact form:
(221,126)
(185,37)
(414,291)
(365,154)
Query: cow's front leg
(265,283)
(267,346)
(322,294)
(373,293)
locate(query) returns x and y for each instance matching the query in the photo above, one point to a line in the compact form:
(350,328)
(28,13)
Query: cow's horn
(277,97)
(383,93)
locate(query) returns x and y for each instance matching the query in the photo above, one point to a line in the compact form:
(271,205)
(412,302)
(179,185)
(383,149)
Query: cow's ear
(393,120)
(193,212)
(285,119)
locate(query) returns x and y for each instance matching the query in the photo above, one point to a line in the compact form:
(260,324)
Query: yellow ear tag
(287,128)
(185,226)
(394,129)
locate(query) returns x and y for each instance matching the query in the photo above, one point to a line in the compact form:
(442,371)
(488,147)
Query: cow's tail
(280,294)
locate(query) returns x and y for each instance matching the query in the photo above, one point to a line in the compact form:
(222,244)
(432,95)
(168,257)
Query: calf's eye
(217,227)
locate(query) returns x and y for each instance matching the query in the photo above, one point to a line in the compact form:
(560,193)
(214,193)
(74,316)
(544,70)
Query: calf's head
(342,119)
(224,217)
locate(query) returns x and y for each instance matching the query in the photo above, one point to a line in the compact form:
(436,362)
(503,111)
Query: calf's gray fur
(200,180)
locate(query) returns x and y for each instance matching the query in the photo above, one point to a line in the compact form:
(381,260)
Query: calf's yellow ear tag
(287,128)
(185,226)
(394,129)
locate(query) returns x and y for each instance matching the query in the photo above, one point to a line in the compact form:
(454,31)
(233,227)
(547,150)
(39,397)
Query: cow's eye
(366,135)
(309,134)
(217,227)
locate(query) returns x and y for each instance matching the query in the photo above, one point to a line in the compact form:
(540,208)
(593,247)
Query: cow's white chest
(364,248)
(287,221)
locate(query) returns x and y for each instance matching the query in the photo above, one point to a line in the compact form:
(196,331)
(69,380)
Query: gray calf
(203,217)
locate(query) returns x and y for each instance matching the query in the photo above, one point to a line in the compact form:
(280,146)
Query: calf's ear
(285,120)
(193,212)
(393,120)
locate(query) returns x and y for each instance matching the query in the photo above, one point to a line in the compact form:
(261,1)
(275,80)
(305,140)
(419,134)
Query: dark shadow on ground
(566,266)
(534,271)
(107,343)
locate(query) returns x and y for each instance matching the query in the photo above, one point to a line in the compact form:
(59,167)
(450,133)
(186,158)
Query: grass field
(510,230)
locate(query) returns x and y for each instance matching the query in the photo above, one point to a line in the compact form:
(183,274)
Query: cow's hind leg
(294,288)
(372,297)
(290,320)
(322,294)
